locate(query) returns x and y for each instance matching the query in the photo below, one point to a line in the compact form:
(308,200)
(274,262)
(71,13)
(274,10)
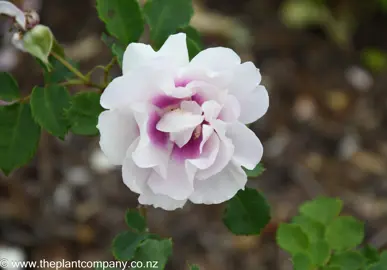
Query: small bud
(38,42)
(32,19)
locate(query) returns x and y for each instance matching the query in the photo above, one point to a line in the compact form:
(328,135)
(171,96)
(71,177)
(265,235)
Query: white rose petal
(177,127)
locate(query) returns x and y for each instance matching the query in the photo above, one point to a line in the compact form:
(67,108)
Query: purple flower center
(158,138)
(190,150)
(182,82)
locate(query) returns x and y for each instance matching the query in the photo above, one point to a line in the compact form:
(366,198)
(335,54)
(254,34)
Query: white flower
(178,127)
(9,9)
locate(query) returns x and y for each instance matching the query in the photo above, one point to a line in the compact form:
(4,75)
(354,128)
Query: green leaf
(83,113)
(257,171)
(194,40)
(119,53)
(165,17)
(193,48)
(19,136)
(116,49)
(344,233)
(302,261)
(348,260)
(377,266)
(370,253)
(193,34)
(108,40)
(314,230)
(322,209)
(135,220)
(382,264)
(123,19)
(247,213)
(39,42)
(153,254)
(9,90)
(319,252)
(291,238)
(194,267)
(331,268)
(48,105)
(125,245)
(57,48)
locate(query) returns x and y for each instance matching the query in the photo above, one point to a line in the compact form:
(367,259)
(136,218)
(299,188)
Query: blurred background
(324,63)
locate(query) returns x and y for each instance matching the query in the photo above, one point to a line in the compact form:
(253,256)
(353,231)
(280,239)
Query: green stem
(70,67)
(83,79)
(25,99)
(108,68)
(72,82)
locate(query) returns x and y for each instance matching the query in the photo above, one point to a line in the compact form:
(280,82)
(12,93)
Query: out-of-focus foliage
(321,239)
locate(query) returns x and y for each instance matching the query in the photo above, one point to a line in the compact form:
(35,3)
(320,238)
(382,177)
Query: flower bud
(32,19)
(38,42)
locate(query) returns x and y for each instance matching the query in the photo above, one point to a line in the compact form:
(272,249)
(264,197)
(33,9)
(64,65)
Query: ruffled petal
(146,155)
(178,92)
(191,106)
(178,120)
(209,153)
(178,184)
(225,153)
(254,105)
(135,55)
(216,59)
(220,79)
(134,177)
(246,78)
(160,201)
(182,138)
(207,132)
(211,110)
(248,148)
(175,49)
(140,85)
(208,91)
(149,156)
(219,187)
(118,131)
(231,110)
